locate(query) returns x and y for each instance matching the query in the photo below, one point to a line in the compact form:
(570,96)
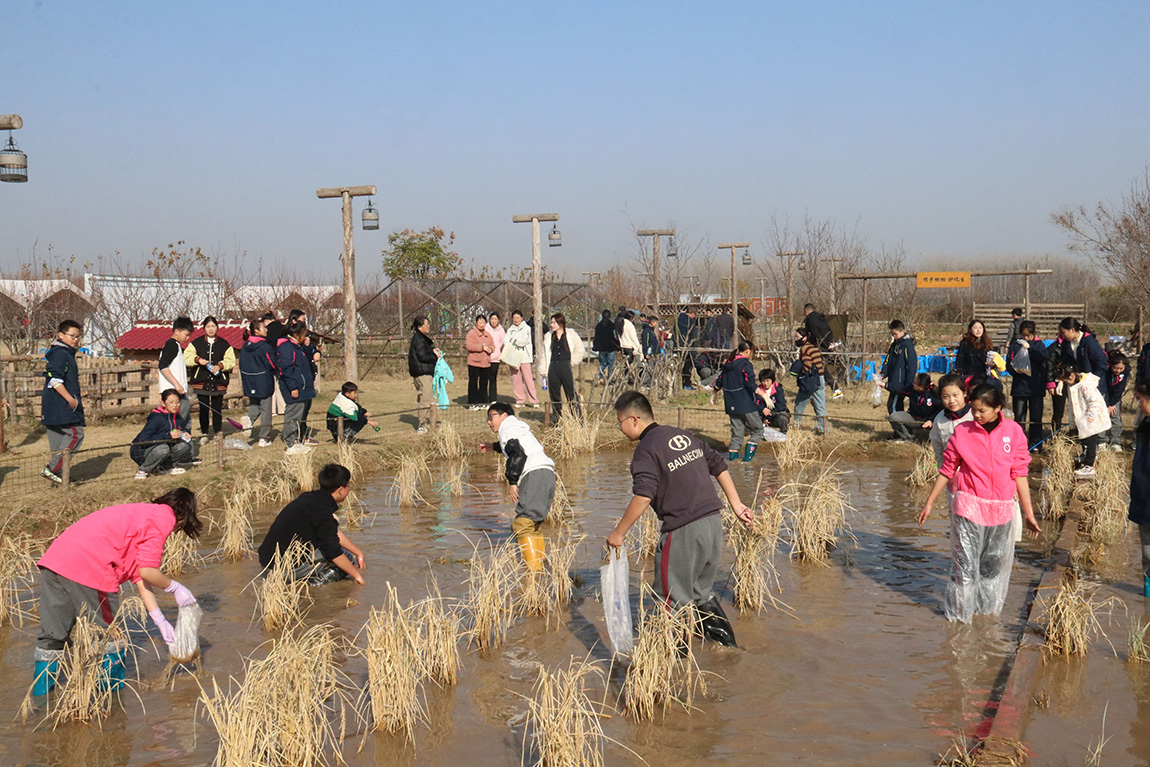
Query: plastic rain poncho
(439,381)
(982,536)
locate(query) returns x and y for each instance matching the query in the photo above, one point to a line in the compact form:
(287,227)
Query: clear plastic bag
(232,443)
(615,581)
(773,435)
(1021,361)
(981,561)
(876,396)
(186,647)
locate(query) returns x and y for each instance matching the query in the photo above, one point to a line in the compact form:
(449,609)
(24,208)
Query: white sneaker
(264,443)
(296,449)
(1116,448)
(1086,472)
(177,470)
(838,394)
(141,474)
(246,422)
(421,430)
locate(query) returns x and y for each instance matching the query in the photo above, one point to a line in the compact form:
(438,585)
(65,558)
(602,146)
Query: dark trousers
(560,377)
(493,382)
(1057,411)
(304,431)
(1091,449)
(211,412)
(477,386)
(894,402)
(1031,406)
(688,368)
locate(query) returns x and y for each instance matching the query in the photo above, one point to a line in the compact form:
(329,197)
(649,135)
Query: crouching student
(1139,512)
(984,467)
(83,569)
(531,475)
(923,407)
(355,417)
(311,519)
(671,472)
(1088,413)
(952,392)
(165,441)
(772,401)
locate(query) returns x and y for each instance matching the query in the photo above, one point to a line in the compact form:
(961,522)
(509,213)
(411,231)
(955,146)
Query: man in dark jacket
(605,344)
(310,519)
(687,335)
(899,367)
(820,331)
(421,358)
(1028,389)
(61,411)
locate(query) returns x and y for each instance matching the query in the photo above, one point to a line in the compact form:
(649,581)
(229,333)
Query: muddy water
(867,671)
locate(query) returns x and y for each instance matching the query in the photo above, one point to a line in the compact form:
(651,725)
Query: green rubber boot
(733,456)
(1146,587)
(46,671)
(112,666)
(749,453)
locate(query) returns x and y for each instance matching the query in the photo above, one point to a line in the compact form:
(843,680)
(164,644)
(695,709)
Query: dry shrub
(562,720)
(562,510)
(755,576)
(393,668)
(237,534)
(287,709)
(1070,619)
(663,669)
(1104,519)
(576,434)
(446,441)
(798,449)
(180,554)
(925,469)
(491,600)
(818,516)
(1139,649)
(17,572)
(1058,476)
(280,598)
(438,629)
(408,477)
(546,592)
(646,538)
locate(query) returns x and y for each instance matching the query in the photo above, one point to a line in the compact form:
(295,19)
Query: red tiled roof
(151,336)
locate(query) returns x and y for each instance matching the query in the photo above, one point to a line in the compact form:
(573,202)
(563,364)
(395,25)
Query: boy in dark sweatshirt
(671,472)
(311,519)
(899,367)
(61,411)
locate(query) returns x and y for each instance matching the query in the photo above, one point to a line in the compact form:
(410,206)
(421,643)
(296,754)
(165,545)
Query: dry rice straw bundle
(799,448)
(237,535)
(1070,619)
(1139,647)
(576,434)
(301,470)
(345,456)
(1058,478)
(180,553)
(647,534)
(438,629)
(279,596)
(286,710)
(454,483)
(663,669)
(446,441)
(992,752)
(405,487)
(562,720)
(547,591)
(1104,519)
(491,601)
(393,668)
(562,510)
(818,516)
(925,469)
(354,511)
(755,576)
(17,572)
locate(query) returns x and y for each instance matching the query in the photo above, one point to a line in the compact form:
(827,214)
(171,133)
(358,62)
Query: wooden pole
(655,272)
(537,303)
(350,323)
(866,297)
(399,287)
(339,429)
(220,450)
(734,303)
(1026,304)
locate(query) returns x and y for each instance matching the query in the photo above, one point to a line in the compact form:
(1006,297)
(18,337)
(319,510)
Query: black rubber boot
(715,624)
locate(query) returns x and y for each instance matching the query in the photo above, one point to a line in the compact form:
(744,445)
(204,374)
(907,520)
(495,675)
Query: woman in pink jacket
(85,566)
(984,468)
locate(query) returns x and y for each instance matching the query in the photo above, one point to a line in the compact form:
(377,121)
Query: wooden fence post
(546,413)
(66,469)
(680,416)
(339,429)
(432,416)
(220,457)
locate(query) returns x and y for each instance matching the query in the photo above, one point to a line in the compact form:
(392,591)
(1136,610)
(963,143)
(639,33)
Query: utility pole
(655,234)
(834,283)
(350,320)
(790,256)
(536,281)
(591,277)
(734,288)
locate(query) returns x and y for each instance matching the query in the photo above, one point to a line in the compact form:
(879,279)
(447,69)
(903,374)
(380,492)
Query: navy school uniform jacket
(1143,365)
(61,365)
(900,365)
(1139,512)
(1088,359)
(924,405)
(778,399)
(1115,386)
(158,428)
(1033,385)
(257,368)
(294,364)
(738,381)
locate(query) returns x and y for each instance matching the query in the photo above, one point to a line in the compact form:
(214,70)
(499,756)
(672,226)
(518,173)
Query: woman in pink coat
(984,468)
(85,566)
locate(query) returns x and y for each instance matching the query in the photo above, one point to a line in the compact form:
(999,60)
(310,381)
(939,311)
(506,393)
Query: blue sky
(955,128)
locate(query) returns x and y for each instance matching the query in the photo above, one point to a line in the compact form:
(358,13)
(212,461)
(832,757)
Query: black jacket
(158,428)
(1115,386)
(198,375)
(900,365)
(737,378)
(257,368)
(309,518)
(969,360)
(1143,373)
(778,397)
(1033,385)
(54,410)
(924,405)
(1090,358)
(820,330)
(604,339)
(421,357)
(1140,476)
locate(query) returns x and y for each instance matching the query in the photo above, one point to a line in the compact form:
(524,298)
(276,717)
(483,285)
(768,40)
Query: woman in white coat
(562,351)
(518,356)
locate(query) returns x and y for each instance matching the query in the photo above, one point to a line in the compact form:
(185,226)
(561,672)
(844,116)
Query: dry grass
(1139,648)
(446,441)
(547,591)
(393,668)
(756,578)
(798,449)
(346,457)
(1058,476)
(992,752)
(925,469)
(1104,519)
(408,478)
(299,468)
(818,516)
(287,709)
(664,671)
(438,629)
(562,510)
(354,511)
(280,599)
(454,482)
(17,572)
(576,434)
(646,537)
(562,720)
(491,600)
(236,540)
(1070,619)
(181,553)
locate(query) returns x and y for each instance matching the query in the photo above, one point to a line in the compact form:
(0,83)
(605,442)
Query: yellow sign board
(943,280)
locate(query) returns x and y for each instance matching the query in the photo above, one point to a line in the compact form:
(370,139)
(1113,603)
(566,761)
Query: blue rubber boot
(1146,587)
(749,453)
(733,456)
(112,668)
(46,671)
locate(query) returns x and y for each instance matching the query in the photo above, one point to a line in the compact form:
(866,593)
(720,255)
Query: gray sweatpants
(62,601)
(61,438)
(261,410)
(293,417)
(742,423)
(1114,435)
(536,494)
(688,558)
(165,455)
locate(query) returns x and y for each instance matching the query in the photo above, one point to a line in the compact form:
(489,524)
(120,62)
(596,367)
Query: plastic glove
(166,630)
(184,598)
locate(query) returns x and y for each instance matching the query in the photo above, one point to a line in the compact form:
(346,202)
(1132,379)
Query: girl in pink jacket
(86,565)
(984,468)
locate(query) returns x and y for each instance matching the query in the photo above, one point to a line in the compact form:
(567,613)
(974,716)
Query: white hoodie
(513,428)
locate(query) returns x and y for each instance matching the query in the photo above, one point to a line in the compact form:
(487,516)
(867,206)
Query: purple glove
(166,630)
(184,598)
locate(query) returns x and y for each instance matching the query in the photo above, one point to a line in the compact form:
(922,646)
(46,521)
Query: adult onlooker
(422,355)
(725,324)
(562,351)
(519,354)
(899,367)
(173,369)
(1077,346)
(1028,385)
(628,339)
(975,345)
(61,411)
(212,360)
(686,336)
(1015,331)
(812,388)
(605,344)
(820,330)
(165,441)
(298,387)
(498,333)
(257,377)
(479,345)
